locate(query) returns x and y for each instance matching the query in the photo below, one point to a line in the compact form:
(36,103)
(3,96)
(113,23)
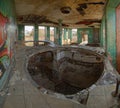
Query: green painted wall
(60,32)
(111,33)
(108,29)
(7,8)
(89,31)
(113,4)
(79,36)
(90,35)
(108,39)
(21,34)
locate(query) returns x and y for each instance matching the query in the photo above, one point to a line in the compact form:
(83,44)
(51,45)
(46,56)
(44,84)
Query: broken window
(29,35)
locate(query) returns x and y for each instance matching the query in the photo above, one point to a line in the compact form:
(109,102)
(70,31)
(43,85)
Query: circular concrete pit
(66,70)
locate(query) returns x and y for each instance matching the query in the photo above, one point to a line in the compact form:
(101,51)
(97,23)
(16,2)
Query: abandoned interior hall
(59,53)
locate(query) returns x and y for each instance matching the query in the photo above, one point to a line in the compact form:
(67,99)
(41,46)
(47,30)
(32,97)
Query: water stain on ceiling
(73,13)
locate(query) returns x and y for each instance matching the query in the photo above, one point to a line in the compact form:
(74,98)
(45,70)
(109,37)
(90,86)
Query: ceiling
(72,13)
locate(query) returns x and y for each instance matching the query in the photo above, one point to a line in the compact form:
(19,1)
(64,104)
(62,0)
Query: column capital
(60,20)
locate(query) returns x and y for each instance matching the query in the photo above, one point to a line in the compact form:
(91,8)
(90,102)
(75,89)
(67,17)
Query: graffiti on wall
(5,53)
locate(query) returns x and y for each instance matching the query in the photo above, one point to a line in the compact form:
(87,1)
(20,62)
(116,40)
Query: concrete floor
(23,94)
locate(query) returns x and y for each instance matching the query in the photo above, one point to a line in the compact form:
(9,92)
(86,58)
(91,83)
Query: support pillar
(56,35)
(110,20)
(47,33)
(21,30)
(60,32)
(102,33)
(90,35)
(65,35)
(36,35)
(79,36)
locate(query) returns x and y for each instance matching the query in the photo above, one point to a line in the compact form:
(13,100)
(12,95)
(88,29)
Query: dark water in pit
(66,76)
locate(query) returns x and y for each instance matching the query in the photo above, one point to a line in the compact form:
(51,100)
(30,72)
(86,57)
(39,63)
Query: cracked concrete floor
(22,94)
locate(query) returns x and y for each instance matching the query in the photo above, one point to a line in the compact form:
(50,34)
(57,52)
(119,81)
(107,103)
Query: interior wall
(118,37)
(8,32)
(111,33)
(110,29)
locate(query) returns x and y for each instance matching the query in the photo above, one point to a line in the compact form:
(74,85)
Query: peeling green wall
(108,29)
(7,8)
(21,30)
(109,42)
(111,33)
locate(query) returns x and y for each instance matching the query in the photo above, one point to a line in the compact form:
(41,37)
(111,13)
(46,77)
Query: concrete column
(21,34)
(60,32)
(96,38)
(102,33)
(47,33)
(56,35)
(110,38)
(79,35)
(90,35)
(36,31)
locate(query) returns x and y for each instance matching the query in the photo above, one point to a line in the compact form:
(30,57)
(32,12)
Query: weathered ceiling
(73,13)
